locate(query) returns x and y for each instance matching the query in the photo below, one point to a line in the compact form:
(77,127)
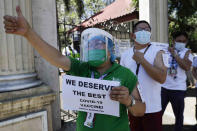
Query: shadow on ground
(191,92)
(68,126)
(71,126)
(185,128)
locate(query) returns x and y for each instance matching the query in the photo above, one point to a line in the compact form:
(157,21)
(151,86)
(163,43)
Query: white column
(45,24)
(17,70)
(156,13)
(16,55)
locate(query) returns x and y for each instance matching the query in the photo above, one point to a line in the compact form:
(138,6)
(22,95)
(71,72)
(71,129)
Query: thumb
(18,11)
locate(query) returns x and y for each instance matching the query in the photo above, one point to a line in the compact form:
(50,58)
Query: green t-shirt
(115,73)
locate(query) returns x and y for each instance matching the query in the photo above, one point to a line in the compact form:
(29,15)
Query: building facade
(29,94)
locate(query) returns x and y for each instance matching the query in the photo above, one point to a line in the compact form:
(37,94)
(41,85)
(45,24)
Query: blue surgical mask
(179,46)
(142,37)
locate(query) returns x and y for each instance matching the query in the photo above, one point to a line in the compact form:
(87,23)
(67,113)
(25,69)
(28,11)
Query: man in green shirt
(98,64)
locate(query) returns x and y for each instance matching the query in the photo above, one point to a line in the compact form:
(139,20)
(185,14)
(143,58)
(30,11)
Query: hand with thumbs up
(16,25)
(19,26)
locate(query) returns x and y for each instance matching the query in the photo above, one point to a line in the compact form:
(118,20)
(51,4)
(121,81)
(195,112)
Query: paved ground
(189,113)
(70,126)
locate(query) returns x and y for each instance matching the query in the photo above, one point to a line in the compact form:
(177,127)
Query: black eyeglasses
(140,29)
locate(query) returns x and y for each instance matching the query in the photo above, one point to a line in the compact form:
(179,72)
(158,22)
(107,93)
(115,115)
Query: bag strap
(138,65)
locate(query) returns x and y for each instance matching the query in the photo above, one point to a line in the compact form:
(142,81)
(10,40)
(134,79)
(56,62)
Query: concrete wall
(16,55)
(45,24)
(18,109)
(18,59)
(156,13)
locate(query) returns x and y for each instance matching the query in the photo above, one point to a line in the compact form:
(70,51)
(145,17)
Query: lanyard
(173,66)
(174,63)
(100,78)
(90,116)
(138,65)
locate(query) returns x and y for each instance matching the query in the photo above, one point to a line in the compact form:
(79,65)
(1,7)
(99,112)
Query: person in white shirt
(174,89)
(146,61)
(194,73)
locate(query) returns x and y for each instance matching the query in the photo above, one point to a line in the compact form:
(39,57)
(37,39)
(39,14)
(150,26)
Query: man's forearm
(48,52)
(184,64)
(155,73)
(138,109)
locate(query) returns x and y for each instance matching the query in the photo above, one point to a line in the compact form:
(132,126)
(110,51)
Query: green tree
(72,12)
(92,7)
(83,8)
(183,17)
(78,4)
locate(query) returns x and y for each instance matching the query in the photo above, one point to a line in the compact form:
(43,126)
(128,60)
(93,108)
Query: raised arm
(157,71)
(19,26)
(184,63)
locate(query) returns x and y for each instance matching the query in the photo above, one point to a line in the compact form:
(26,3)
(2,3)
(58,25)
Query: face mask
(179,46)
(142,37)
(96,57)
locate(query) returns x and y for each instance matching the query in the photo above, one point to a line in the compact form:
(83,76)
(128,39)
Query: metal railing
(67,115)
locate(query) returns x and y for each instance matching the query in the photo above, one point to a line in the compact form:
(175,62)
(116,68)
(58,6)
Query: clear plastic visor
(94,47)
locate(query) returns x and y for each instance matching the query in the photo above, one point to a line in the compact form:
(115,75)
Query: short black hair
(179,33)
(139,22)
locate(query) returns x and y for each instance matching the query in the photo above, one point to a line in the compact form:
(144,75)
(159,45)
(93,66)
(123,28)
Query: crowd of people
(150,76)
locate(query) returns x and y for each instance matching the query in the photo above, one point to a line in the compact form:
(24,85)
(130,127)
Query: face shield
(95,44)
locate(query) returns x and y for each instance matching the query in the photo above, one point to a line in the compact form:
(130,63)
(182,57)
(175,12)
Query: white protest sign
(89,95)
